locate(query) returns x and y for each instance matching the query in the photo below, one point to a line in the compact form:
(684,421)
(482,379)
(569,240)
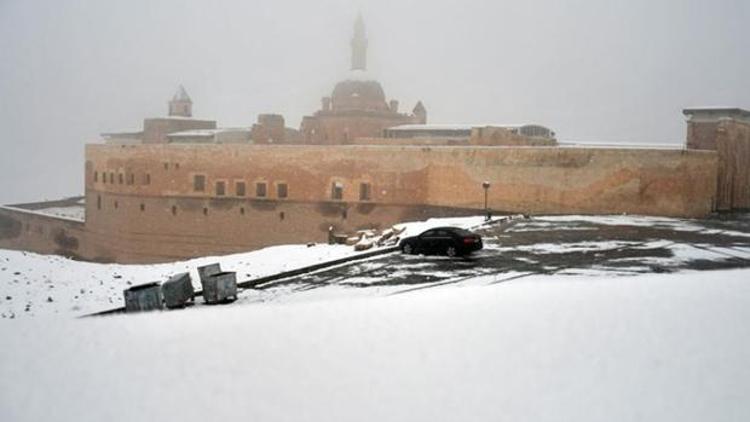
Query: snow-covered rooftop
(125,133)
(451,126)
(728,109)
(622,145)
(207,132)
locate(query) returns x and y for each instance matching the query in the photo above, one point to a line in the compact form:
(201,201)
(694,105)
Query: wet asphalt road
(617,246)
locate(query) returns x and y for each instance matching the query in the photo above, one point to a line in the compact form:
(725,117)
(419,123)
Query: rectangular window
(239,188)
(260,189)
(220,188)
(199,183)
(119,178)
(364,192)
(281,190)
(112,178)
(96,176)
(337,191)
(131,178)
(147,179)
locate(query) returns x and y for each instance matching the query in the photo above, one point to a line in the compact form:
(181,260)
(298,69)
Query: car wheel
(407,249)
(451,251)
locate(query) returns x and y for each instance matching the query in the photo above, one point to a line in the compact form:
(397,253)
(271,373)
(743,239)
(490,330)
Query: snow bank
(33,285)
(639,221)
(659,347)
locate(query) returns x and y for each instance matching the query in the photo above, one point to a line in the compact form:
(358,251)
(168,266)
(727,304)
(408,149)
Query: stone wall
(344,127)
(731,139)
(150,229)
(498,136)
(161,217)
(27,230)
(167,219)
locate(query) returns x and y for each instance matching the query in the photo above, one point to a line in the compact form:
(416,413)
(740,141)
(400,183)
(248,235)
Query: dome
(358,95)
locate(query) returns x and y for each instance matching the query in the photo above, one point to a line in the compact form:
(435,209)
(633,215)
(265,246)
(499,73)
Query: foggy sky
(592,70)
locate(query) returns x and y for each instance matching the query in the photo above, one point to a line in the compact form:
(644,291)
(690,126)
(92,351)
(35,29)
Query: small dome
(358,95)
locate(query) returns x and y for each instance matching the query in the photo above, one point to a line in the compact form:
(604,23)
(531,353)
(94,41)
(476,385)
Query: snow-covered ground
(656,348)
(73,209)
(36,285)
(584,346)
(77,213)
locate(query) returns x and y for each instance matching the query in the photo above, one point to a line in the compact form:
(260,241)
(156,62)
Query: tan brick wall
(26,230)
(500,136)
(407,182)
(135,223)
(731,139)
(733,146)
(218,226)
(702,135)
(345,127)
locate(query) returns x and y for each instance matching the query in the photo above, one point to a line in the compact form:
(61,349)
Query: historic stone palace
(183,187)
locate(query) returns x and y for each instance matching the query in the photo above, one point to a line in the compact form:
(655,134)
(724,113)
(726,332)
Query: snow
(623,145)
(73,213)
(548,248)
(77,213)
(451,126)
(656,347)
(41,285)
(77,288)
(583,345)
(414,228)
(637,221)
(206,132)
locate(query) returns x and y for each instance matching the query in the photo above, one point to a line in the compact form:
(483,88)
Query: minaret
(419,113)
(181,104)
(359,45)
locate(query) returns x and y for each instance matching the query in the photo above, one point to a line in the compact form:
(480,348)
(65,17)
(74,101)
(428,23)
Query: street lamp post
(486,186)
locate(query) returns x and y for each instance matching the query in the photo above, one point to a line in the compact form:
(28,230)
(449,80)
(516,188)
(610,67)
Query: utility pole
(486,186)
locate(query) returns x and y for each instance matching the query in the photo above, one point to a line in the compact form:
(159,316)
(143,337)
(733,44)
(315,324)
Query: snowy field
(38,285)
(657,348)
(566,344)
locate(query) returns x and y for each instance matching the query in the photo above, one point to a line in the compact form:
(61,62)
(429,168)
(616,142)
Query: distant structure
(182,187)
(725,130)
(181,104)
(357,108)
(156,130)
(359,45)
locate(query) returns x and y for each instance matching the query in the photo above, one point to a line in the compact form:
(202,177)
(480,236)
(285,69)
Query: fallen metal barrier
(144,297)
(260,281)
(178,291)
(220,287)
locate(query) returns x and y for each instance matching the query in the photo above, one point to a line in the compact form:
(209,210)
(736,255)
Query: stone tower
(181,104)
(420,113)
(359,45)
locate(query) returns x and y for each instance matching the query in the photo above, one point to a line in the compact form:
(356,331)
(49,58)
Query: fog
(618,71)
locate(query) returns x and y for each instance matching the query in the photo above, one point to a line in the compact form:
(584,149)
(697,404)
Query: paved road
(618,246)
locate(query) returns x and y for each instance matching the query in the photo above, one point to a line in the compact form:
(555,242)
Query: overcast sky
(593,70)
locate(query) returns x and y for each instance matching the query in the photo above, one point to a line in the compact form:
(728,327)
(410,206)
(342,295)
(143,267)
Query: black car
(450,241)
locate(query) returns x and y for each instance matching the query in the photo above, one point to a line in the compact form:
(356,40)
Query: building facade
(182,187)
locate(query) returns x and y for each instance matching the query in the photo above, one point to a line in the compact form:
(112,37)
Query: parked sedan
(450,241)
